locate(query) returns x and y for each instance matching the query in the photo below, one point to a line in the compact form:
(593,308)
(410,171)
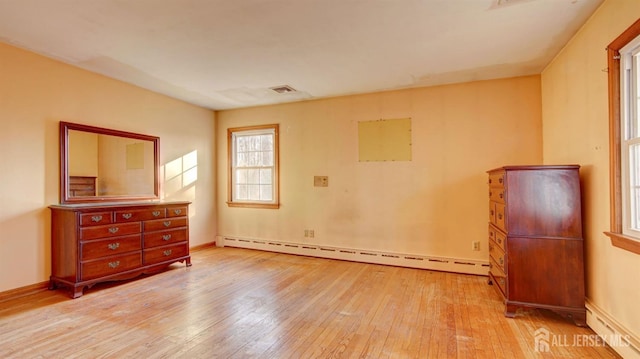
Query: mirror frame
(64,164)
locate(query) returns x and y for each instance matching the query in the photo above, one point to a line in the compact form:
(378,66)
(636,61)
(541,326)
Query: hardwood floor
(239,303)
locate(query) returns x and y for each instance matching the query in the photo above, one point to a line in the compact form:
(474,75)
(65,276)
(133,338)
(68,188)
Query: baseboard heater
(613,333)
(357,255)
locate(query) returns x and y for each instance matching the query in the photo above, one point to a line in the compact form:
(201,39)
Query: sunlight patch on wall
(180,176)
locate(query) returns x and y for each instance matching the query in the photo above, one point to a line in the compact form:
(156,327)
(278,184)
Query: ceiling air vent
(502,3)
(283,89)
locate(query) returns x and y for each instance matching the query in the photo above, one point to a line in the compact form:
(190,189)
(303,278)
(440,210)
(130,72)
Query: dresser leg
(510,310)
(188,262)
(77,292)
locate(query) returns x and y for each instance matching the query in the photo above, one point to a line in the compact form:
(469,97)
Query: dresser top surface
(534,168)
(116,205)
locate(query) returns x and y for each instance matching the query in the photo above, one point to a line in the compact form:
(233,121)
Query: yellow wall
(435,204)
(35,94)
(575,122)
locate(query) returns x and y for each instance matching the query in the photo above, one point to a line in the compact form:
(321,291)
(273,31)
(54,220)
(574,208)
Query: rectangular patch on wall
(384,140)
(135,156)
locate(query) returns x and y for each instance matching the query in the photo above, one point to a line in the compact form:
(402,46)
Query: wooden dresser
(535,239)
(93,243)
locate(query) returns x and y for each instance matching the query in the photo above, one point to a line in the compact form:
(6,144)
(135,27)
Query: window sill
(624,242)
(254,205)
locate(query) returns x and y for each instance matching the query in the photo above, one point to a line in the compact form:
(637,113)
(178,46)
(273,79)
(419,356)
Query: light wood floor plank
(238,303)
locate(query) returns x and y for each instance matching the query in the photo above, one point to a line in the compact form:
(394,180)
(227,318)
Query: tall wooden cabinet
(93,243)
(535,239)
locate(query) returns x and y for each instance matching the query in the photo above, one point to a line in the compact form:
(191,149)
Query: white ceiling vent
(283,89)
(502,3)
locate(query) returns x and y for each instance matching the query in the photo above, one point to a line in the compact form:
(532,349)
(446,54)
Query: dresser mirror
(100,164)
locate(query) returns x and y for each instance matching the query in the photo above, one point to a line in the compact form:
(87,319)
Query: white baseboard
(613,333)
(465,266)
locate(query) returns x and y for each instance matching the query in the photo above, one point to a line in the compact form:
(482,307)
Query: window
(253,166)
(623,57)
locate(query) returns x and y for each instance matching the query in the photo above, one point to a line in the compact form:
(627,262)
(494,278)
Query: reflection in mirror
(102,164)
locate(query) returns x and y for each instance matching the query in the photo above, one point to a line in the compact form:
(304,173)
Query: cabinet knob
(114,230)
(177,211)
(113,246)
(500,216)
(96,218)
(114,264)
(127,215)
(501,195)
(167,252)
(166,237)
(501,261)
(166,223)
(155,213)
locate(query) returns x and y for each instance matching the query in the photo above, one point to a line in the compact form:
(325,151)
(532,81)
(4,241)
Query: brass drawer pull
(177,211)
(156,213)
(501,195)
(96,218)
(490,247)
(500,180)
(126,215)
(501,261)
(166,237)
(166,223)
(167,252)
(113,246)
(499,215)
(114,230)
(114,264)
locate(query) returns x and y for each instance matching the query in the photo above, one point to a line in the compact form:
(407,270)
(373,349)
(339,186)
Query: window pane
(253,176)
(267,142)
(241,144)
(241,176)
(634,104)
(241,160)
(241,192)
(253,192)
(266,193)
(267,158)
(265,176)
(634,185)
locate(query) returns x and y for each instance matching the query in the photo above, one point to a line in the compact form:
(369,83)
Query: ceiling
(224,54)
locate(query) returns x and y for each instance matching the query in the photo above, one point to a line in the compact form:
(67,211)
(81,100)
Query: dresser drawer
(501,221)
(497,255)
(176,211)
(496,179)
(165,253)
(139,214)
(501,240)
(110,265)
(113,230)
(162,224)
(95,219)
(496,194)
(155,239)
(500,284)
(108,247)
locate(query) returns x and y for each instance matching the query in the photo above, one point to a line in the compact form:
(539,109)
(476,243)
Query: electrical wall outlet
(312,233)
(306,233)
(321,181)
(476,245)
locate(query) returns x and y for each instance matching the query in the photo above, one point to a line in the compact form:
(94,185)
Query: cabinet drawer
(155,239)
(496,179)
(497,255)
(162,224)
(500,284)
(165,253)
(501,240)
(496,194)
(176,211)
(110,265)
(95,219)
(108,247)
(112,230)
(501,221)
(139,214)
